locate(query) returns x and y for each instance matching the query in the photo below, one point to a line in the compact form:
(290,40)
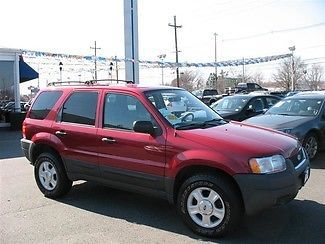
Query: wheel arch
(39,148)
(192,170)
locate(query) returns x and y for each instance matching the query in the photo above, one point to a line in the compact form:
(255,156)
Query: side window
(257,86)
(270,101)
(80,108)
(256,104)
(121,111)
(44,103)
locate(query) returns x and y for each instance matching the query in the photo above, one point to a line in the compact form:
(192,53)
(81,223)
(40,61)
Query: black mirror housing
(144,127)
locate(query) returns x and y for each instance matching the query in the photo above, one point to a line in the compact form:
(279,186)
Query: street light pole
(161,57)
(215,56)
(292,49)
(60,67)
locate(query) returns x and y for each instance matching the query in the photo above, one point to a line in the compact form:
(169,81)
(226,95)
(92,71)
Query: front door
(125,156)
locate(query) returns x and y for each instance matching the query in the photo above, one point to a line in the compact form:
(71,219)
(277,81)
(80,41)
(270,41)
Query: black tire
(62,184)
(232,204)
(311,145)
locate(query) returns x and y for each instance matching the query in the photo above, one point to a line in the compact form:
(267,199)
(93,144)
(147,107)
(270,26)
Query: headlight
(268,165)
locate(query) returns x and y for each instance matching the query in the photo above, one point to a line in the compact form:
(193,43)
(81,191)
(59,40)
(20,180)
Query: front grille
(298,158)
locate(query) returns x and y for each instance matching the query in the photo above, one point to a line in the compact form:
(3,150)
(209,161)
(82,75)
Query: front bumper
(26,146)
(260,192)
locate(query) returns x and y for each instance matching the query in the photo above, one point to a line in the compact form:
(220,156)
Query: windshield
(182,109)
(297,107)
(231,104)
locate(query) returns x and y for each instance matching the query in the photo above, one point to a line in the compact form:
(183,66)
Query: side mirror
(144,127)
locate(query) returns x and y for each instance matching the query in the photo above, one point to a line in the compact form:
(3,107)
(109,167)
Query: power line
(275,32)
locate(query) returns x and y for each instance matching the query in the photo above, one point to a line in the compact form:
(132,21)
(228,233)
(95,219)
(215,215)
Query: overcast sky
(246,28)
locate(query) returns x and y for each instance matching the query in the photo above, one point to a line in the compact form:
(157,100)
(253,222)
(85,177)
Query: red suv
(126,137)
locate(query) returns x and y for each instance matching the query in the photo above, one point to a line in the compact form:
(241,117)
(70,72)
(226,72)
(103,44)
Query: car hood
(242,141)
(278,122)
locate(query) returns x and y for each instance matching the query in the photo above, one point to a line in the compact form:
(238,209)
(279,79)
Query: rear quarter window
(43,104)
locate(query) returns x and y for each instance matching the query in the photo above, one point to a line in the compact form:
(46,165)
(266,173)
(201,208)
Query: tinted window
(256,104)
(271,101)
(44,103)
(210,93)
(233,103)
(121,111)
(80,108)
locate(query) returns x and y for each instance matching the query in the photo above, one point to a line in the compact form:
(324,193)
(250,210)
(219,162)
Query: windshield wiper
(205,124)
(213,121)
(188,126)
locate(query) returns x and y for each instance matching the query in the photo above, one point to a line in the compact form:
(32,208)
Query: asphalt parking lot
(92,213)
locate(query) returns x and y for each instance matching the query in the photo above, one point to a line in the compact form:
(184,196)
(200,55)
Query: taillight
(24,130)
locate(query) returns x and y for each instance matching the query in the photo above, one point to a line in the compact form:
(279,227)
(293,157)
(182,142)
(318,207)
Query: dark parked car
(208,96)
(214,171)
(244,87)
(301,115)
(241,107)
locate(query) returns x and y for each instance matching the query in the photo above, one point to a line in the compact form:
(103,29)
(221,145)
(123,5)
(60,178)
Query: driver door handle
(108,140)
(60,133)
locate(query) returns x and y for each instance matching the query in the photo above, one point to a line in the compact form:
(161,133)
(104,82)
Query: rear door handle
(60,133)
(108,140)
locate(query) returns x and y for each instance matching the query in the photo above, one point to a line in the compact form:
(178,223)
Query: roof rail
(87,82)
(66,83)
(95,81)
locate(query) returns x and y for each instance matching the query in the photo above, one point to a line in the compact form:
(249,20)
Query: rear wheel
(311,145)
(50,176)
(209,205)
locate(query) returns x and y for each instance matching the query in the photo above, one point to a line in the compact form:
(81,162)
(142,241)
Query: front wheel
(209,205)
(310,144)
(50,176)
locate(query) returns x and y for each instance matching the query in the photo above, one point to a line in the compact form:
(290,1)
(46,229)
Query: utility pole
(95,48)
(292,49)
(215,57)
(175,26)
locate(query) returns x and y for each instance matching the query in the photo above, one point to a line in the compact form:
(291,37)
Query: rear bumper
(26,146)
(260,192)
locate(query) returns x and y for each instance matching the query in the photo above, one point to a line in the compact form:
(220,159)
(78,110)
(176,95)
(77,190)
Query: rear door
(75,129)
(125,156)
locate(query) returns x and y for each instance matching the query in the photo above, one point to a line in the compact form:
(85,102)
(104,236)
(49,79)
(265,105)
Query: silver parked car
(301,115)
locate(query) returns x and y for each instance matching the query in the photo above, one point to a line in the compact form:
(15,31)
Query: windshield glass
(296,107)
(182,109)
(232,104)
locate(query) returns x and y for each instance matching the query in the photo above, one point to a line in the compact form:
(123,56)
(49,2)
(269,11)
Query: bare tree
(189,80)
(257,77)
(314,77)
(284,74)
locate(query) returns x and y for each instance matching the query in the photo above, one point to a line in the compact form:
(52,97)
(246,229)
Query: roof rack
(87,82)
